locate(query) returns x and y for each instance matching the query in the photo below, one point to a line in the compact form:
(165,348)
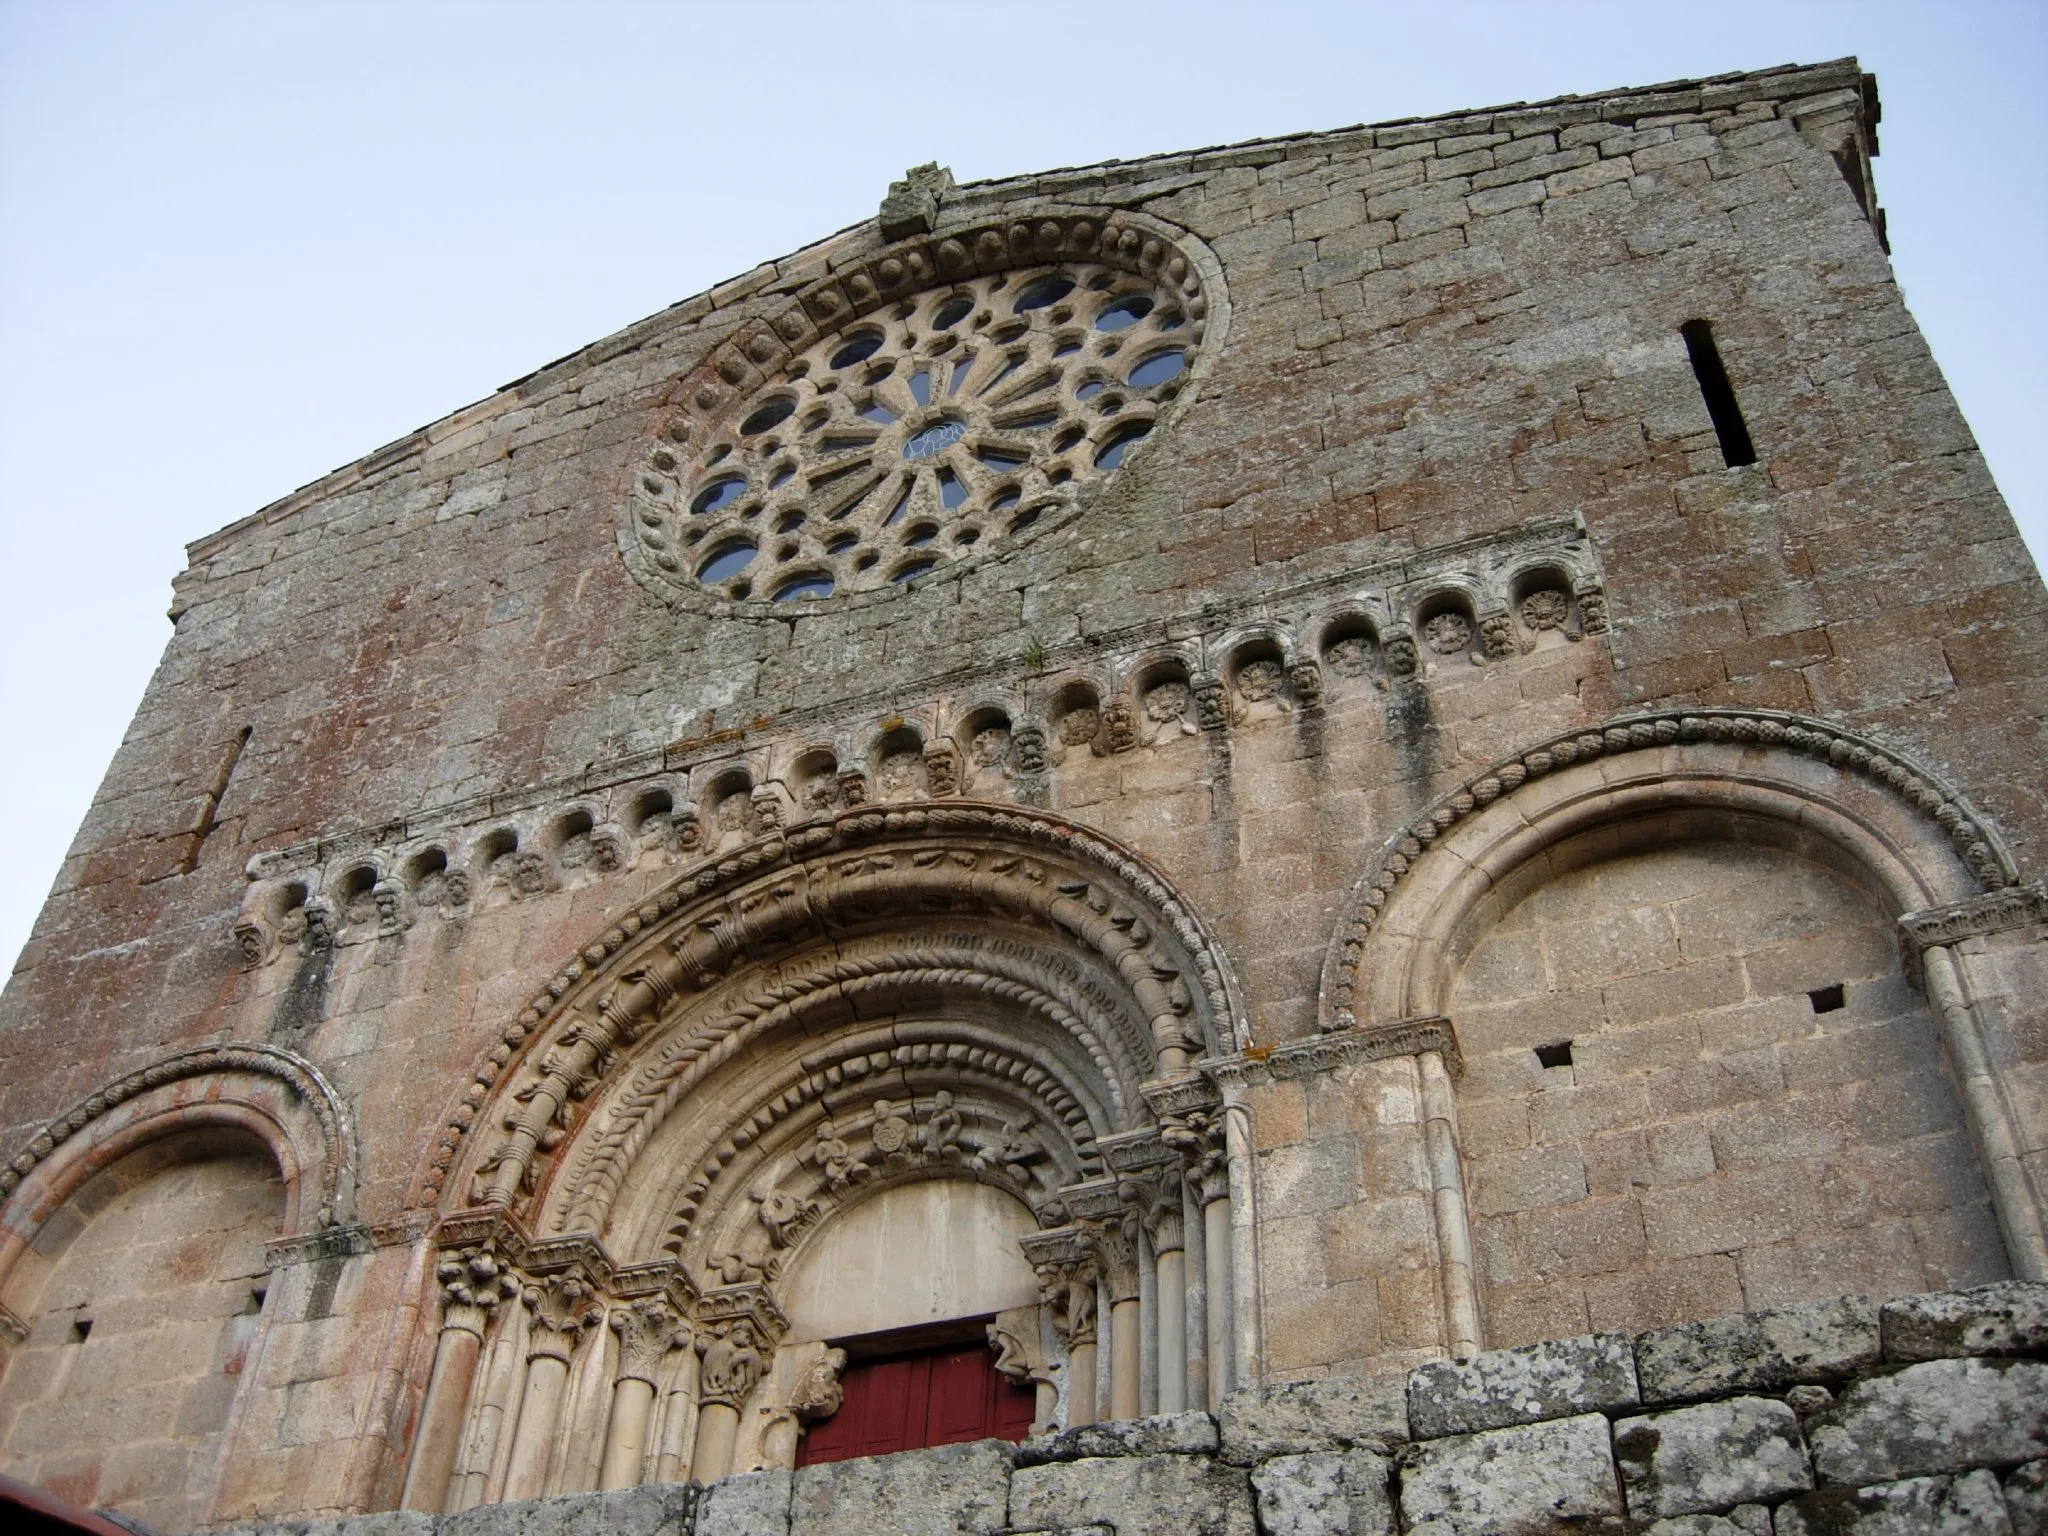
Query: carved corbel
(818,1394)
(318,915)
(687,830)
(1020,1356)
(1397,650)
(767,809)
(1592,607)
(1306,679)
(1212,712)
(941,770)
(394,911)
(1119,731)
(1497,632)
(647,1330)
(853,787)
(252,941)
(1030,743)
(607,847)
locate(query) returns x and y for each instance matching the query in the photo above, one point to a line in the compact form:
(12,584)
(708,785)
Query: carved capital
(473,1280)
(734,1361)
(1162,1211)
(647,1330)
(1065,1262)
(1198,1137)
(2000,911)
(563,1308)
(1115,1242)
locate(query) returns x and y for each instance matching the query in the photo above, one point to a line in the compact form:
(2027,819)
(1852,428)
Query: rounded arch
(1913,839)
(272,1094)
(1010,941)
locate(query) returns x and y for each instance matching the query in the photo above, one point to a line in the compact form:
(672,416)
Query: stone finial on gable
(913,203)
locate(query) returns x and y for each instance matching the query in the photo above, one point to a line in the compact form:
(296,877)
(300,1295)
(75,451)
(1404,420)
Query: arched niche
(142,1295)
(913,1254)
(1793,806)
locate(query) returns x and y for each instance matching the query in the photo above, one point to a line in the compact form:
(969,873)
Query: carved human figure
(736,1269)
(821,794)
(729,821)
(1399,653)
(782,1213)
(940,1136)
(732,1365)
(890,1132)
(835,1159)
(942,770)
(1306,679)
(1013,1150)
(990,748)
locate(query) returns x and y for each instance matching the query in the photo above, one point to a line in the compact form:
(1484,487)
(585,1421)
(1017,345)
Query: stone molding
(1340,1048)
(367,884)
(2002,911)
(335,1169)
(1917,790)
(350,1241)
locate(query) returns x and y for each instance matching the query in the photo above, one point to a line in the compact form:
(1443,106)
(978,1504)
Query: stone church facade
(1167,790)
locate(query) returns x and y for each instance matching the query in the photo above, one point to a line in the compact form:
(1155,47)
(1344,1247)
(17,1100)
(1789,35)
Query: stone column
(473,1282)
(1067,1272)
(1197,1134)
(563,1309)
(732,1366)
(1164,1224)
(1447,1194)
(499,1378)
(647,1330)
(678,1422)
(1116,1247)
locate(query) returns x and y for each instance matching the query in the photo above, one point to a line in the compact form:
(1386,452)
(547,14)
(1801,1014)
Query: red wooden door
(934,1397)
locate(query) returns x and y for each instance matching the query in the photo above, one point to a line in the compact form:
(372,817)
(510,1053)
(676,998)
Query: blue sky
(242,244)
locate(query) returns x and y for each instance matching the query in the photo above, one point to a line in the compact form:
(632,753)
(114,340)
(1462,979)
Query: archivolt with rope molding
(1057,923)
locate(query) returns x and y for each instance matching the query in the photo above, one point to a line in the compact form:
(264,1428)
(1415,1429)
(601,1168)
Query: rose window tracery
(959,420)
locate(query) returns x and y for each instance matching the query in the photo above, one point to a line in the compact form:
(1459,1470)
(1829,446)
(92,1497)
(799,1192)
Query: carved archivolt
(278,1094)
(1033,916)
(1895,819)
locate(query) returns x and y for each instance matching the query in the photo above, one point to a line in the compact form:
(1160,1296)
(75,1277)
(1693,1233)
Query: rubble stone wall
(1928,1415)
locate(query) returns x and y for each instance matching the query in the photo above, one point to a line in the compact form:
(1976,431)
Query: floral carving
(1546,608)
(1448,634)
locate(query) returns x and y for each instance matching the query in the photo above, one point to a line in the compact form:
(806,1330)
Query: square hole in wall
(1828,999)
(81,1329)
(1558,1054)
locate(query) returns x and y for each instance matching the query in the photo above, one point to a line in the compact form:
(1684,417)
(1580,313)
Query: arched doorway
(905,1070)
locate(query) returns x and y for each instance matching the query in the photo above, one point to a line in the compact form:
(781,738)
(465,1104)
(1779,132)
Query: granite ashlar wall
(1838,1418)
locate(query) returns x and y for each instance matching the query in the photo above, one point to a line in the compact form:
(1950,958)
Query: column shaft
(1125,1337)
(1172,1291)
(433,1456)
(1081,1384)
(1216,1260)
(547,1378)
(718,1427)
(625,1449)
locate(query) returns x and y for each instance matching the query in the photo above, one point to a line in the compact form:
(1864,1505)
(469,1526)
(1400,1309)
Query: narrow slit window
(209,806)
(1729,427)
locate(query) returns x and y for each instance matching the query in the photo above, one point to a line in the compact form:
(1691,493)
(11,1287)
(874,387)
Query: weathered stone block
(1301,1416)
(1697,1460)
(2007,1319)
(1324,1493)
(1551,1380)
(2026,1499)
(1920,1506)
(751,1504)
(1743,1520)
(1184,1495)
(1942,1416)
(949,1490)
(1505,1482)
(657,1509)
(1163,1435)
(1758,1351)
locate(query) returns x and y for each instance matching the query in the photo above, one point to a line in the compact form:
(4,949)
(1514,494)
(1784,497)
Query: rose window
(955,422)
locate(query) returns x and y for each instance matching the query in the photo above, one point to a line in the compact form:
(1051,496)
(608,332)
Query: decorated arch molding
(275,1095)
(962,990)
(1915,837)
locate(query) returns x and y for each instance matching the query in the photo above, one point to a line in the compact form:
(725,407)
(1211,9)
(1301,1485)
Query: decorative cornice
(1184,1093)
(1977,846)
(303,1080)
(1340,1048)
(2016,906)
(1134,1151)
(350,1241)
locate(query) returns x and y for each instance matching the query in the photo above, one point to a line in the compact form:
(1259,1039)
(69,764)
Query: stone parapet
(1930,1414)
